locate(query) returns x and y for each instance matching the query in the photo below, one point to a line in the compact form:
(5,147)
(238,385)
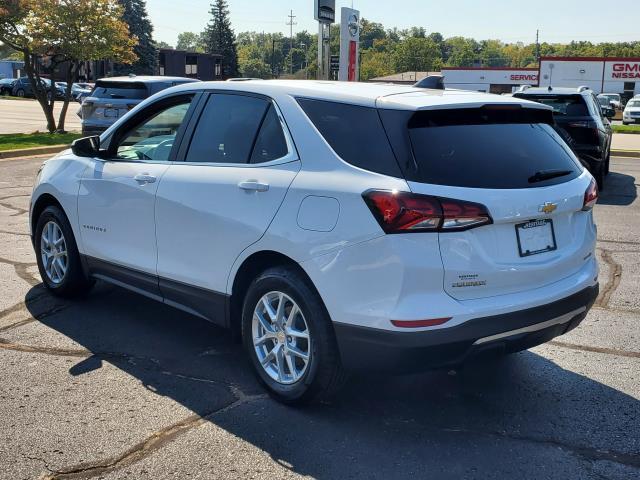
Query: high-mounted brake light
(404,212)
(590,196)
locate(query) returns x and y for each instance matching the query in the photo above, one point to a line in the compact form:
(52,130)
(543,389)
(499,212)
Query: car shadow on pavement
(523,413)
(620,189)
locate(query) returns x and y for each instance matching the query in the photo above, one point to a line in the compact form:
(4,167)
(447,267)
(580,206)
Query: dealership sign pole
(349,44)
(324,11)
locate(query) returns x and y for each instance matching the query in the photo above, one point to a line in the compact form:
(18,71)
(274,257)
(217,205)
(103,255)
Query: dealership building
(601,74)
(489,79)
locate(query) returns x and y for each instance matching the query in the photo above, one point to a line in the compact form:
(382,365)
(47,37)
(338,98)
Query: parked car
(631,112)
(77,90)
(113,97)
(607,106)
(22,88)
(616,99)
(6,86)
(577,111)
(334,227)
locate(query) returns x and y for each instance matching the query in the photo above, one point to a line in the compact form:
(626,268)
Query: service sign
(622,70)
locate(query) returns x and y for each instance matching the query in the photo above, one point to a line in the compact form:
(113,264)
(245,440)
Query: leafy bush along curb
(626,129)
(19,141)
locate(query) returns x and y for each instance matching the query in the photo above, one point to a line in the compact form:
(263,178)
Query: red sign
(352,61)
(525,78)
(626,70)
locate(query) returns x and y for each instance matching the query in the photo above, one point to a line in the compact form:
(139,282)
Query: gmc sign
(626,70)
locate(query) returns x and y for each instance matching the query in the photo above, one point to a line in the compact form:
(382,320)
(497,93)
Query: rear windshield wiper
(547,175)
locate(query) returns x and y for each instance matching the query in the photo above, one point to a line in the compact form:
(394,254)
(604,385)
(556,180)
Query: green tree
(163,44)
(417,54)
(219,38)
(460,52)
(63,32)
(370,32)
(190,41)
(135,15)
(375,64)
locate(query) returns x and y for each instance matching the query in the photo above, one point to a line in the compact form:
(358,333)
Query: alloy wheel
(281,337)
(53,251)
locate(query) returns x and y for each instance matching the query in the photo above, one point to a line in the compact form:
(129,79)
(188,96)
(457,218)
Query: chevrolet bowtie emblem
(548,207)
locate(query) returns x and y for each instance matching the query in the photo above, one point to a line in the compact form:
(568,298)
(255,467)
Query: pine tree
(135,15)
(220,39)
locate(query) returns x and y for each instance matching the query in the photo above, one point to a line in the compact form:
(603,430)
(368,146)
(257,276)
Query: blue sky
(508,20)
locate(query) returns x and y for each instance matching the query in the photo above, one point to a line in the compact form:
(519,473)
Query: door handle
(143,178)
(254,185)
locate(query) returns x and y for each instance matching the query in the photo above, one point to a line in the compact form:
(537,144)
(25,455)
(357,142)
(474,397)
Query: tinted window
(227,129)
(153,138)
(270,143)
(482,148)
(355,133)
(115,90)
(564,105)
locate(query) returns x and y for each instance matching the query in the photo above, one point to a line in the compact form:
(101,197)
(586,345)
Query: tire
(63,276)
(20,92)
(322,375)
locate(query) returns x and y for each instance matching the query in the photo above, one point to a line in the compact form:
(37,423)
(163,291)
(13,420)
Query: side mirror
(86,146)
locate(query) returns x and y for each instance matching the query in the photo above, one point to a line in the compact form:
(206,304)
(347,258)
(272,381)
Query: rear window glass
(117,90)
(565,105)
(355,133)
(484,148)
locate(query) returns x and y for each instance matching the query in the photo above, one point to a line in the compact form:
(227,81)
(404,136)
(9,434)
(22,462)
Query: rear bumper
(364,348)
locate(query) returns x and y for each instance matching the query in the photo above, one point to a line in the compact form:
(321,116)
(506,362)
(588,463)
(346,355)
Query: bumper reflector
(431,322)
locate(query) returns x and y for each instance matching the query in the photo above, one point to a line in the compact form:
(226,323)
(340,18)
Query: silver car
(113,97)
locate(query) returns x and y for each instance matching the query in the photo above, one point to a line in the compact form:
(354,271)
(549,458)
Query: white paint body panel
(205,227)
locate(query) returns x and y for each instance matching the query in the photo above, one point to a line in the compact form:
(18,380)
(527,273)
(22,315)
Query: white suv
(334,226)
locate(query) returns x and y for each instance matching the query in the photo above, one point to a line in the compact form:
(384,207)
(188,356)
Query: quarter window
(270,143)
(153,138)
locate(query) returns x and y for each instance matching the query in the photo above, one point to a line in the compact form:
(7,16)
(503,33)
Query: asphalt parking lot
(119,387)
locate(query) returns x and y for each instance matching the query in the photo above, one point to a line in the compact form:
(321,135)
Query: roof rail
(582,88)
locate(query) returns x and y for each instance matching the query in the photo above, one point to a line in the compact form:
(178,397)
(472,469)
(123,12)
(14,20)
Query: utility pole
(538,46)
(291,23)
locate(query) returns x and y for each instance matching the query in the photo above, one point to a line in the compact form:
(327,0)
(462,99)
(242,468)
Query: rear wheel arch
(251,267)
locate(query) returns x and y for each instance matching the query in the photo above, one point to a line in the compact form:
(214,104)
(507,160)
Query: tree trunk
(71,71)
(30,61)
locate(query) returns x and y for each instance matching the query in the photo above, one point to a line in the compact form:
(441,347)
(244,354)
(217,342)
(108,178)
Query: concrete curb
(30,152)
(626,153)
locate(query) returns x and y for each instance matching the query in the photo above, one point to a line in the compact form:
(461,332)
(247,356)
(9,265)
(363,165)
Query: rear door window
(270,143)
(482,148)
(355,133)
(227,129)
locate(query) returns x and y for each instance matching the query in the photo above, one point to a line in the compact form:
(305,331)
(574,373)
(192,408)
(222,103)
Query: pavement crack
(615,275)
(587,348)
(22,234)
(150,445)
(18,210)
(22,270)
(619,242)
(58,352)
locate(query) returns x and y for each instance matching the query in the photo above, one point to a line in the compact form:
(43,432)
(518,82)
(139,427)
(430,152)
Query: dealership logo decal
(626,70)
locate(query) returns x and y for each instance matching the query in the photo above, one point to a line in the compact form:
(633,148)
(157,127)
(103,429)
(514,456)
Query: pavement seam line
(587,348)
(615,275)
(151,444)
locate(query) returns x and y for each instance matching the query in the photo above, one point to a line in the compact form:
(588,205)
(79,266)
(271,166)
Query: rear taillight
(404,212)
(590,196)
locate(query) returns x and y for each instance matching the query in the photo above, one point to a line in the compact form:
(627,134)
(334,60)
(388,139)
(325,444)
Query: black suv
(582,123)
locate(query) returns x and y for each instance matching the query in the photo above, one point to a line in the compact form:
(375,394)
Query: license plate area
(111,113)
(535,236)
